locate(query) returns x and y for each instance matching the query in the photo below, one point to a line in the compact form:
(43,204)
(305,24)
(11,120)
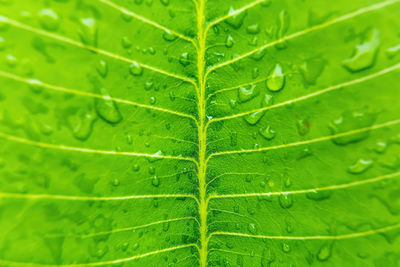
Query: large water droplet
(285,200)
(168,36)
(365,53)
(351,121)
(106,108)
(49,20)
(276,79)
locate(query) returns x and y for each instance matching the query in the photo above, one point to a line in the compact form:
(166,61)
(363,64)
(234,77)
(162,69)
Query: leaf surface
(199,133)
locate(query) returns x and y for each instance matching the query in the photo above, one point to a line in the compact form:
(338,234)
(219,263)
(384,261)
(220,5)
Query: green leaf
(199,133)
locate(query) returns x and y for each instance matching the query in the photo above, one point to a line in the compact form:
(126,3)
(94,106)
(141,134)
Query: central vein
(202,131)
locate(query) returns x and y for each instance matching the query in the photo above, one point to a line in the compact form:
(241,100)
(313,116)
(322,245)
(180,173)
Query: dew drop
(276,79)
(168,36)
(155,181)
(184,59)
(253,29)
(380,146)
(360,166)
(255,117)
(126,43)
(84,127)
(252,228)
(135,69)
(102,68)
(246,94)
(48,19)
(106,108)
(116,182)
(350,121)
(235,20)
(285,200)
(390,52)
(268,133)
(229,41)
(364,54)
(283,26)
(319,195)
(286,247)
(35,85)
(324,252)
(88,31)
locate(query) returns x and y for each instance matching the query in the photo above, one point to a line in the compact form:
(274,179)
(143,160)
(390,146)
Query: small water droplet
(253,29)
(229,41)
(286,247)
(236,20)
(276,79)
(35,85)
(48,19)
(155,181)
(365,53)
(102,68)
(88,31)
(135,69)
(324,252)
(285,200)
(268,133)
(360,166)
(393,51)
(168,36)
(247,93)
(107,108)
(126,43)
(255,117)
(184,59)
(84,127)
(319,195)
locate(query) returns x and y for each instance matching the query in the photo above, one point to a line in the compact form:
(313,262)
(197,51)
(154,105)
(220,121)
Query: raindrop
(84,127)
(246,94)
(276,79)
(102,68)
(360,166)
(390,52)
(135,69)
(184,59)
(253,29)
(324,252)
(229,41)
(168,36)
(365,53)
(155,181)
(285,200)
(106,108)
(253,118)
(267,133)
(49,20)
(88,31)
(236,20)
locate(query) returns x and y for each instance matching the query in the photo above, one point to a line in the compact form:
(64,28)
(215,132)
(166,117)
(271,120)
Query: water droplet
(236,20)
(136,168)
(102,68)
(35,85)
(286,247)
(246,94)
(2,43)
(253,29)
(360,166)
(126,43)
(324,252)
(393,51)
(252,228)
(303,127)
(276,79)
(152,100)
(165,2)
(311,69)
(48,19)
(253,118)
(135,69)
(350,121)
(155,181)
(84,127)
(380,146)
(267,100)
(116,182)
(283,26)
(365,53)
(168,36)
(184,59)
(267,133)
(107,108)
(319,195)
(285,200)
(229,41)
(88,31)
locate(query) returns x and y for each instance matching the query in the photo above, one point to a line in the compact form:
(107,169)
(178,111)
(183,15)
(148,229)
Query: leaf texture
(199,133)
